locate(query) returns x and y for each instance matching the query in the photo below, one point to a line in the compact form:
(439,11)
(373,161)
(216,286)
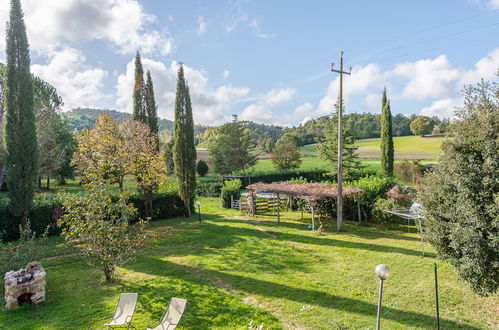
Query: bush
(209,188)
(202,168)
(230,188)
(382,205)
(48,209)
(373,188)
(408,171)
(14,256)
(44,213)
(315,175)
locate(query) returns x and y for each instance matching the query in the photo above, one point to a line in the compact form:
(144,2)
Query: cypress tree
(184,151)
(20,130)
(387,151)
(150,105)
(138,92)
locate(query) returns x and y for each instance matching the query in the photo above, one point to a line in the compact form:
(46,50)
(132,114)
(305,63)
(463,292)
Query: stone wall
(25,286)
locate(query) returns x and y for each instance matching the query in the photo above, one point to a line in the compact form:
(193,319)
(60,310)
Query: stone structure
(25,286)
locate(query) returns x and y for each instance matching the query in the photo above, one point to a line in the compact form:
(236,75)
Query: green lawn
(234,271)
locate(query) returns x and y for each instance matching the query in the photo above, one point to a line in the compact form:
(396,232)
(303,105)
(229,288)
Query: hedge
(209,188)
(46,211)
(316,175)
(230,191)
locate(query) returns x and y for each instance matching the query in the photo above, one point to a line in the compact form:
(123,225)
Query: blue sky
(268,61)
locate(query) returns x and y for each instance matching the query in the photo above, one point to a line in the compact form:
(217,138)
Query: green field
(234,271)
(425,149)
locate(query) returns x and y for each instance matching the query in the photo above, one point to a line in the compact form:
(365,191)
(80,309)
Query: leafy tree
(422,125)
(460,197)
(231,149)
(138,92)
(145,161)
(151,109)
(328,148)
(184,151)
(170,165)
(101,227)
(20,130)
(286,154)
(52,154)
(202,168)
(2,115)
(68,142)
(101,151)
(387,151)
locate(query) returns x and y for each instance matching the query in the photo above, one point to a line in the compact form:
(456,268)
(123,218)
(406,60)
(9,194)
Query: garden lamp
(382,271)
(199,210)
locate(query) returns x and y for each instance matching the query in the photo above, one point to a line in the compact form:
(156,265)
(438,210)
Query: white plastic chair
(172,315)
(124,311)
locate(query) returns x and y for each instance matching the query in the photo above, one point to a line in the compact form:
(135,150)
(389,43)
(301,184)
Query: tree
(202,168)
(170,165)
(328,148)
(422,125)
(20,130)
(184,151)
(231,149)
(286,154)
(52,154)
(387,152)
(68,143)
(102,152)
(138,92)
(145,161)
(101,227)
(460,197)
(151,109)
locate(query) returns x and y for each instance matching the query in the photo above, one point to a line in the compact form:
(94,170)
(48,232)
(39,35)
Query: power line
(425,41)
(427,29)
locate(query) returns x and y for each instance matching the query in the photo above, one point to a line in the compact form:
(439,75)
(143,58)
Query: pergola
(306,191)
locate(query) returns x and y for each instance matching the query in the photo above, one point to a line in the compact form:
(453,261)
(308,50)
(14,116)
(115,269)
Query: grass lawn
(234,271)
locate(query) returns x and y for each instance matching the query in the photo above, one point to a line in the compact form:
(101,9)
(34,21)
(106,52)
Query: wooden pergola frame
(307,191)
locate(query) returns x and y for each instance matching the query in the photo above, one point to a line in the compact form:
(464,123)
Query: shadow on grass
(213,227)
(269,289)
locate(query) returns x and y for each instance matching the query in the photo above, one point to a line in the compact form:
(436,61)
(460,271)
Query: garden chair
(172,315)
(124,311)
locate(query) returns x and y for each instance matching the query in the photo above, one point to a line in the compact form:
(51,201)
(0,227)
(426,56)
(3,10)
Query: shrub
(202,168)
(44,214)
(382,205)
(14,256)
(209,188)
(408,171)
(230,188)
(101,227)
(315,175)
(373,188)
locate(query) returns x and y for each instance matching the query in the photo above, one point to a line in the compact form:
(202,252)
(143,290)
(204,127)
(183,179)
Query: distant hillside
(82,118)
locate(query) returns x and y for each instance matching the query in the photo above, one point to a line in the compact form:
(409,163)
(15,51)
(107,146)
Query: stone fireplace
(26,286)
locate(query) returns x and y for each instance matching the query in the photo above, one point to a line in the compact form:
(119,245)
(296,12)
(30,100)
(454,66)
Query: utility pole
(339,206)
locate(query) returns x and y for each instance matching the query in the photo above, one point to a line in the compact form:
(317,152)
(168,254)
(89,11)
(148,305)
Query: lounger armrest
(171,324)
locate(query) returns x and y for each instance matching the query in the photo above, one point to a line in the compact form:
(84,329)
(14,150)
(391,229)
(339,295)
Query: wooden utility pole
(339,206)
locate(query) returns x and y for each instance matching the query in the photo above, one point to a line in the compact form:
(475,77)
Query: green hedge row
(209,188)
(46,211)
(315,175)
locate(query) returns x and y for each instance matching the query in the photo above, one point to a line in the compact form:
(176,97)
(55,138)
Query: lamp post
(199,210)
(382,271)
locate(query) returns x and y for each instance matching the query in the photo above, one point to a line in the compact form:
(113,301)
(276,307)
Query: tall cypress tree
(387,151)
(138,91)
(184,151)
(150,105)
(20,130)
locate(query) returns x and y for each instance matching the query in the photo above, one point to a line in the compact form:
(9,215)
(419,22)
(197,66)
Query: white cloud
(431,78)
(225,74)
(443,108)
(261,110)
(485,68)
(209,105)
(201,26)
(78,83)
(494,4)
(52,24)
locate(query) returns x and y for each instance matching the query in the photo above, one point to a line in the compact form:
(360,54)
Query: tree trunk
(24,219)
(48,182)
(120,183)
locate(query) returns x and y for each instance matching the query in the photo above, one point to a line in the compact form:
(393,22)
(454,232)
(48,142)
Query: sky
(266,61)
